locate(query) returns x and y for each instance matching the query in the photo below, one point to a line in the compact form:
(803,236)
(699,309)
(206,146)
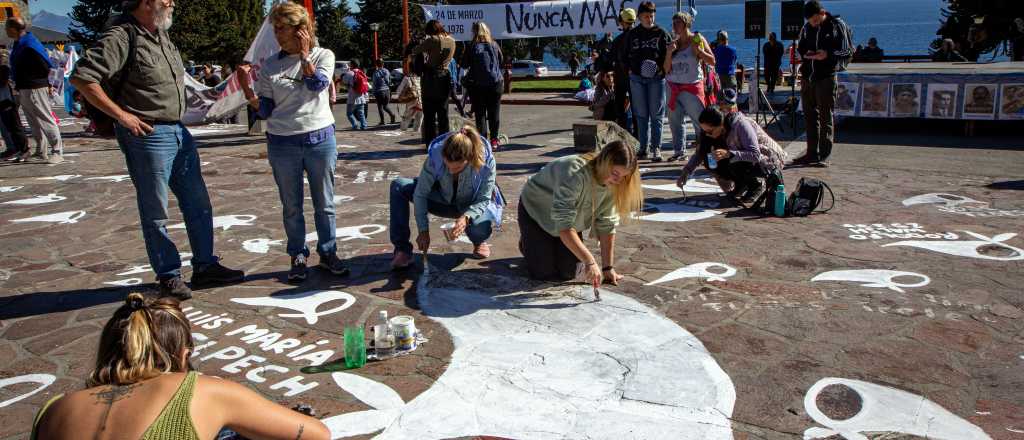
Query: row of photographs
(904,100)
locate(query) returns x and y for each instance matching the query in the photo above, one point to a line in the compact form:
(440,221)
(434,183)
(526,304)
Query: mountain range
(48,20)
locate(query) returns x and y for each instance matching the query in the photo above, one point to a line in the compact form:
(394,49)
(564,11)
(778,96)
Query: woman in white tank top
(685,76)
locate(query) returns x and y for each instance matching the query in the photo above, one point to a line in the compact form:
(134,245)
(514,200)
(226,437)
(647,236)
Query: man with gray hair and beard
(135,75)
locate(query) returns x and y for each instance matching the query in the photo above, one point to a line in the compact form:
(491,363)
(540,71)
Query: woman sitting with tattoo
(144,387)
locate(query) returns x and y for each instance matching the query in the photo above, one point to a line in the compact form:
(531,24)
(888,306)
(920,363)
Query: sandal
(482,251)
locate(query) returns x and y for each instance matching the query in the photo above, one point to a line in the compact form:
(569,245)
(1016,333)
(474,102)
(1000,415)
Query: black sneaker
(677,156)
(642,155)
(298,271)
(8,154)
(333,264)
(175,287)
(215,273)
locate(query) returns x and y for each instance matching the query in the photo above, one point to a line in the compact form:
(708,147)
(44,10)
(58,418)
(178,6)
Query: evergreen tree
(332,31)
(215,31)
(984,26)
(389,14)
(90,19)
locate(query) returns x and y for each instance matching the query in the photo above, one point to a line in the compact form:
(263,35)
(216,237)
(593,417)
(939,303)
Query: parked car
(528,69)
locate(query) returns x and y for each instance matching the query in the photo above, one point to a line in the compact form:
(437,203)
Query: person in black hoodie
(647,46)
(824,46)
(620,60)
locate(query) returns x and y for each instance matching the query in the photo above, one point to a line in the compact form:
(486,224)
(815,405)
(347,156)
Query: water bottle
(384,340)
(712,163)
(780,201)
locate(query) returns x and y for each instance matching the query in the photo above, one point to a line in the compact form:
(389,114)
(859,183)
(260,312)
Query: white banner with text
(530,19)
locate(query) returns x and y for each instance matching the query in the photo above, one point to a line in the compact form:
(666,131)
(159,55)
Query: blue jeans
(402,189)
(648,95)
(687,104)
(167,158)
(357,115)
(289,158)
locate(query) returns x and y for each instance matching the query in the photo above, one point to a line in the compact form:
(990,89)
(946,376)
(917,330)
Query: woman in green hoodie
(568,196)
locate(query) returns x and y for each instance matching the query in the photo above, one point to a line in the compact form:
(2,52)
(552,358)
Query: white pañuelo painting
(305,303)
(949,200)
(125,282)
(698,270)
(61,178)
(361,232)
(7,189)
(338,199)
(62,218)
(969,248)
(260,245)
(879,278)
(885,409)
(224,222)
(44,380)
(692,186)
(550,367)
(117,178)
(674,212)
(462,237)
(37,200)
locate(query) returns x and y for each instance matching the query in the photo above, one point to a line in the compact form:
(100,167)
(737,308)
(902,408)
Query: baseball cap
(628,15)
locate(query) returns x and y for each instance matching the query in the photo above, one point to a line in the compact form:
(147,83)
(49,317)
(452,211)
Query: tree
(983,26)
(90,19)
(332,30)
(389,14)
(217,31)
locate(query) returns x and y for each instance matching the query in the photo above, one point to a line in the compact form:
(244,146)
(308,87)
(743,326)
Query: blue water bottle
(780,201)
(712,163)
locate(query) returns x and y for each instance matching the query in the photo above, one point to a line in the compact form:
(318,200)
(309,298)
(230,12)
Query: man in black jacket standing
(824,46)
(620,57)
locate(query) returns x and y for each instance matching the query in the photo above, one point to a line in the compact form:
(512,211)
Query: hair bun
(135,301)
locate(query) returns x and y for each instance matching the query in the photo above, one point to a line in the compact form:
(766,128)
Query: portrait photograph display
(874,99)
(979,101)
(906,100)
(846,98)
(1011,102)
(941,102)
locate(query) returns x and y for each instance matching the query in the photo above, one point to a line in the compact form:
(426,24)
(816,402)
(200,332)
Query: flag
(231,99)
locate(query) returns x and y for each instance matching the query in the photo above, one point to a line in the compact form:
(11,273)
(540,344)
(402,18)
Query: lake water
(902,27)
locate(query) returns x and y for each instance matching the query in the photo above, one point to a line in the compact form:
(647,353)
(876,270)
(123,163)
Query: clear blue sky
(63,7)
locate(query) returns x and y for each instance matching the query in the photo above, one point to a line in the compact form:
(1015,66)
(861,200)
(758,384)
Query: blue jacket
(28,42)
(478,194)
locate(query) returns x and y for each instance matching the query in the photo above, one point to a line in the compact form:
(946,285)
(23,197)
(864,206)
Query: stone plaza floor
(898,314)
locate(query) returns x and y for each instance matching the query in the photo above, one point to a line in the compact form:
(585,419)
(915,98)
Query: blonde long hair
(628,194)
(465,144)
(293,14)
(144,339)
(482,33)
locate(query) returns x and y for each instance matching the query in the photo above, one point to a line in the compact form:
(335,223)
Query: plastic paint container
(404,329)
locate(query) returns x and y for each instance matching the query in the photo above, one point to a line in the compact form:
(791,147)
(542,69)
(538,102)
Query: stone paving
(907,294)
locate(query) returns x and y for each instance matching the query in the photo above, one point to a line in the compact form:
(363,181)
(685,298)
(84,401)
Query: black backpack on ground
(807,197)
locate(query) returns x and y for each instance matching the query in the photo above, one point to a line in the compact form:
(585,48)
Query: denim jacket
(478,195)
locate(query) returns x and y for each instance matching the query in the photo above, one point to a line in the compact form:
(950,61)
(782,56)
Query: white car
(528,69)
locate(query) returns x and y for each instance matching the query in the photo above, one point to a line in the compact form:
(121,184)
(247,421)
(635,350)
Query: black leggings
(436,87)
(383,99)
(546,257)
(744,174)
(486,103)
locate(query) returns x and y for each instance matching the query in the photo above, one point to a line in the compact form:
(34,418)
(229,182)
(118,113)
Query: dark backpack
(360,83)
(807,197)
(485,67)
(103,122)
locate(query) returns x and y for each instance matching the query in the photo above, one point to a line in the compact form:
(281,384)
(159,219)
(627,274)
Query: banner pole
(405,24)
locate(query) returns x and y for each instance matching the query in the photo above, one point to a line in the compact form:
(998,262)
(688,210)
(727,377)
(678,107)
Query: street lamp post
(375,27)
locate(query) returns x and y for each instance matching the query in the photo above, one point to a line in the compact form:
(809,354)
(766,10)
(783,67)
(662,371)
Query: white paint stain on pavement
(61,178)
(939,199)
(554,368)
(43,380)
(698,270)
(969,248)
(361,232)
(882,279)
(224,222)
(7,189)
(260,245)
(338,199)
(692,186)
(885,409)
(115,178)
(62,218)
(674,212)
(37,200)
(305,303)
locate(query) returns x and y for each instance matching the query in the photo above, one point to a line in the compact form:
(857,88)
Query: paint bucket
(404,329)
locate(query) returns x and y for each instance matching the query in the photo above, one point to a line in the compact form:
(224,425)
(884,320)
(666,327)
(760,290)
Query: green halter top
(173,423)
